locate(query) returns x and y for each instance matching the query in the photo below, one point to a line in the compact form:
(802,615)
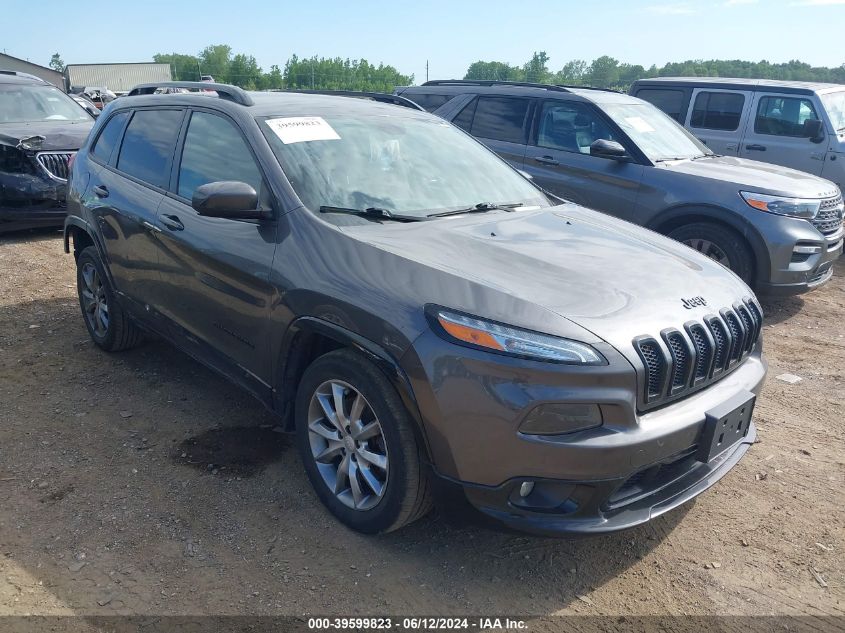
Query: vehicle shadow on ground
(30,235)
(151,463)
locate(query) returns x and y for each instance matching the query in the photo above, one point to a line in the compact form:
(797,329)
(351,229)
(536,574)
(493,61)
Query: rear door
(126,192)
(559,159)
(217,270)
(776,132)
(500,122)
(718,117)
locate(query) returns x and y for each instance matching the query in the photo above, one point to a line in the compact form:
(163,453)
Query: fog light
(809,249)
(559,418)
(526,488)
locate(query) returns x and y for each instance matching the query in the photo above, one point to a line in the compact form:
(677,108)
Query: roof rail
(224,91)
(18,73)
(575,87)
(493,82)
(381,97)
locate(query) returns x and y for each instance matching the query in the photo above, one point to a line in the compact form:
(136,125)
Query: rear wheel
(105,320)
(720,244)
(358,445)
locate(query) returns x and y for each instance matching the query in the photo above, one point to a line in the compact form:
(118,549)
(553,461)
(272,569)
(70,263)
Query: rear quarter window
(429,101)
(670,101)
(501,118)
(717,110)
(109,137)
(148,145)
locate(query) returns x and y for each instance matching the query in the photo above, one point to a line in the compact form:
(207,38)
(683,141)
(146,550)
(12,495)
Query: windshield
(406,165)
(834,104)
(657,135)
(21,103)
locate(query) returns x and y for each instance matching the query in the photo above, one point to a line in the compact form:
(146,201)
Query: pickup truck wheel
(720,244)
(358,445)
(107,323)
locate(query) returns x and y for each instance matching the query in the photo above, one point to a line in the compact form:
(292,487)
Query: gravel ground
(142,483)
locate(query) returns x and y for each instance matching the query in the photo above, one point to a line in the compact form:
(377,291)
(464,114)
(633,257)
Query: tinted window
(109,137)
(500,118)
(570,126)
(428,101)
(783,116)
(209,139)
(464,119)
(670,101)
(717,110)
(148,145)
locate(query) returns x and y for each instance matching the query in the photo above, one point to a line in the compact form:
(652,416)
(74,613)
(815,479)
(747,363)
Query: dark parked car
(777,228)
(421,315)
(40,129)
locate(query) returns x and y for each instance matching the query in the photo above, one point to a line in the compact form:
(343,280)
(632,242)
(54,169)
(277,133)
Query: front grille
(701,354)
(55,163)
(829,218)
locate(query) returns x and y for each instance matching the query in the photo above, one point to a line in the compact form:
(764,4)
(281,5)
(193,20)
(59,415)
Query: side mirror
(813,130)
(608,149)
(227,199)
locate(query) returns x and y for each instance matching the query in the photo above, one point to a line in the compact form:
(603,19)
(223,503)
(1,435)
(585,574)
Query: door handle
(150,227)
(101,191)
(755,147)
(172,222)
(546,160)
(817,156)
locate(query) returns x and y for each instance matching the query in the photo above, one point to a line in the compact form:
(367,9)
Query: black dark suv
(414,308)
(40,129)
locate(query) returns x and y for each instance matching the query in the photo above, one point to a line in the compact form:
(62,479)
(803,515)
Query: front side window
(148,145)
(783,116)
(27,103)
(500,119)
(109,137)
(717,110)
(654,132)
(214,150)
(571,126)
(670,101)
(411,165)
(834,104)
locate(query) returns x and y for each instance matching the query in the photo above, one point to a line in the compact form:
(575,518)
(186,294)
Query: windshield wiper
(374,213)
(669,158)
(481,207)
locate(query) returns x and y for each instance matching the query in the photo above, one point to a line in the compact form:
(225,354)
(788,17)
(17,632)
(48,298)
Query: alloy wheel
(94,301)
(348,445)
(710,249)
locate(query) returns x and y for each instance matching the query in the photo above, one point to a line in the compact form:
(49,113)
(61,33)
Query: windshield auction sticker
(300,129)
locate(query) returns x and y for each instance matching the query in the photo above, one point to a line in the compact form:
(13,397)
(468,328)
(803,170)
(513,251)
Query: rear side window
(783,116)
(109,137)
(464,119)
(148,145)
(500,119)
(717,110)
(670,101)
(428,101)
(209,139)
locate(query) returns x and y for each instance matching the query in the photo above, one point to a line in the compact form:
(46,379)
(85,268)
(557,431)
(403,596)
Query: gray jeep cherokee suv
(414,309)
(777,228)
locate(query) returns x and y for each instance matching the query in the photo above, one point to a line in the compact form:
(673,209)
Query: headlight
(494,337)
(797,207)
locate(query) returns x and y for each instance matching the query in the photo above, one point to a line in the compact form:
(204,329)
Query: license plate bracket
(725,426)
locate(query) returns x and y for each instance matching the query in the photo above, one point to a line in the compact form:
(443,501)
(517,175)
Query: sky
(449,35)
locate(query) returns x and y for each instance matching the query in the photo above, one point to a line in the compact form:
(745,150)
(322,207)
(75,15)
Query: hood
(58,135)
(752,175)
(610,277)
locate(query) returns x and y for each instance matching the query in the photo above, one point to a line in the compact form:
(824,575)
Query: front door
(559,159)
(776,133)
(217,270)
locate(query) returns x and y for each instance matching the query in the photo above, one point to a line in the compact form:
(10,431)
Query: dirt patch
(101,515)
(242,451)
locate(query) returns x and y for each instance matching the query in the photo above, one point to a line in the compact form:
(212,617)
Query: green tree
(604,72)
(536,69)
(499,71)
(215,61)
(56,63)
(182,67)
(573,72)
(243,71)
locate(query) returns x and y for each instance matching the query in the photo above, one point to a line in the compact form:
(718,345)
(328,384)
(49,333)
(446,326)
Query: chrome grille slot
(829,218)
(55,163)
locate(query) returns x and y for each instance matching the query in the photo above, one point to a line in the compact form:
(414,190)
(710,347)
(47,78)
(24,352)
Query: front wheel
(358,445)
(720,244)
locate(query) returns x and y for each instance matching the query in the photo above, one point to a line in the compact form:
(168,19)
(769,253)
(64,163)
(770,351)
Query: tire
(388,432)
(115,332)
(709,238)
